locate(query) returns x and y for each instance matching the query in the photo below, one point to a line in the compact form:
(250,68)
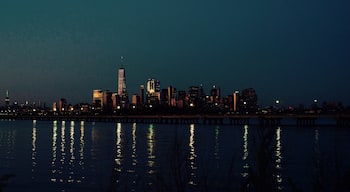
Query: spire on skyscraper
(121,61)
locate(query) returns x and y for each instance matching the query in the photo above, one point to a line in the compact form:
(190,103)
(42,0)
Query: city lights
(154,99)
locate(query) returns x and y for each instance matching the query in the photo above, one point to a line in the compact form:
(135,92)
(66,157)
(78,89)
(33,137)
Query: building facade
(236,101)
(97,99)
(121,81)
(153,92)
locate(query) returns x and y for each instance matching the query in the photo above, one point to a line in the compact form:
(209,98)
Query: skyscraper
(121,82)
(215,95)
(171,96)
(235,101)
(142,94)
(122,92)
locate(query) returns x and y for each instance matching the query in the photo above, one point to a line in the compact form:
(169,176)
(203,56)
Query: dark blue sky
(293,50)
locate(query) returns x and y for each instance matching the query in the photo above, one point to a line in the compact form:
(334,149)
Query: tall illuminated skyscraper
(121,81)
(122,92)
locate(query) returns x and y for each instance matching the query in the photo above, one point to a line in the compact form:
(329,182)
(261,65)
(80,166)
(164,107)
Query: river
(100,156)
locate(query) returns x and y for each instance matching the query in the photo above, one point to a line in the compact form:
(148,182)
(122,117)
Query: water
(88,156)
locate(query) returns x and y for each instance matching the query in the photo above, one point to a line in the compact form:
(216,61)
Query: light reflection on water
(134,149)
(8,141)
(119,158)
(192,156)
(245,173)
(54,151)
(72,156)
(133,169)
(33,149)
(82,145)
(72,149)
(151,158)
(63,148)
(278,159)
(317,168)
(217,143)
(87,155)
(64,163)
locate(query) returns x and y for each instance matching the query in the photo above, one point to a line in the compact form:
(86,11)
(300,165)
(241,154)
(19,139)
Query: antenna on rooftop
(7,99)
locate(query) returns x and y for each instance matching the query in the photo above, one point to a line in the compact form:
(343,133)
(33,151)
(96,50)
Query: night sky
(292,50)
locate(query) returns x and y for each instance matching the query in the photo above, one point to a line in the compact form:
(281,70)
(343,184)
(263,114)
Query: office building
(171,96)
(164,97)
(107,102)
(63,105)
(193,96)
(142,94)
(215,97)
(249,101)
(228,103)
(114,100)
(123,100)
(181,98)
(153,86)
(135,101)
(153,91)
(97,99)
(236,101)
(121,81)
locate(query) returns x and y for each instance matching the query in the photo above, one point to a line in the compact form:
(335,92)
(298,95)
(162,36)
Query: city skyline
(292,51)
(155,90)
(122,91)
